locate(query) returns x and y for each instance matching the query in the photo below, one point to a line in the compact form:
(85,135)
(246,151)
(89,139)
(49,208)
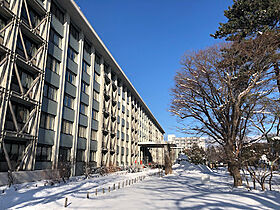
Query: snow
(189,187)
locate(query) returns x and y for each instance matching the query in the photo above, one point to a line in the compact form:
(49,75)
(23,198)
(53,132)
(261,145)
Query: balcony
(112,151)
(106,113)
(114,86)
(113,134)
(113,117)
(107,79)
(106,95)
(104,148)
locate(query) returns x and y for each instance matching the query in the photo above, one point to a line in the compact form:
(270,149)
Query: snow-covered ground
(189,187)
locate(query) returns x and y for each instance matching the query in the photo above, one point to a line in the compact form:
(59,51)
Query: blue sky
(148,37)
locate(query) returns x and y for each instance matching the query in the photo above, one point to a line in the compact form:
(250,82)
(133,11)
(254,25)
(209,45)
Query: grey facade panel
(57,26)
(55,51)
(52,78)
(70,89)
(80,166)
(49,106)
(93,145)
(68,114)
(82,143)
(84,98)
(43,165)
(46,137)
(94,124)
(72,66)
(86,77)
(87,57)
(74,43)
(96,87)
(83,120)
(66,140)
(95,105)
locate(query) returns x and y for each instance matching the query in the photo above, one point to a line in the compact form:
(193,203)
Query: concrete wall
(29,176)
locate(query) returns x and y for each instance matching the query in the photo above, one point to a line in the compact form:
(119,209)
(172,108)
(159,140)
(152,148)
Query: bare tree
(267,121)
(219,88)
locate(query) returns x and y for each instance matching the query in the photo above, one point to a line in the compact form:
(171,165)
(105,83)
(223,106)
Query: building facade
(184,143)
(64,98)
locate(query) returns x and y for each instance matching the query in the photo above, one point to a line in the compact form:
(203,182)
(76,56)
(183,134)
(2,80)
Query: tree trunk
(235,172)
(167,160)
(277,73)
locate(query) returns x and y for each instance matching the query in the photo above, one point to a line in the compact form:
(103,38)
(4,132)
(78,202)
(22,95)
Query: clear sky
(148,38)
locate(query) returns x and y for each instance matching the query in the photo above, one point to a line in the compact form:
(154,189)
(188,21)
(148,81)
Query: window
(87,47)
(68,101)
(119,105)
(74,32)
(49,91)
(80,157)
(64,154)
(94,115)
(26,79)
(67,127)
(14,151)
(119,90)
(95,95)
(34,17)
(31,48)
(47,121)
(57,12)
(2,25)
(55,38)
(43,152)
(86,67)
(71,54)
(82,132)
(84,87)
(96,77)
(93,135)
(53,64)
(83,108)
(70,77)
(118,134)
(92,156)
(97,59)
(22,114)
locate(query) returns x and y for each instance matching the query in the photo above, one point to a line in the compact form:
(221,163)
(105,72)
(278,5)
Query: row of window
(65,155)
(50,91)
(43,153)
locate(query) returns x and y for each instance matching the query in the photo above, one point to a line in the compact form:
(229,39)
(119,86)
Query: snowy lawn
(189,187)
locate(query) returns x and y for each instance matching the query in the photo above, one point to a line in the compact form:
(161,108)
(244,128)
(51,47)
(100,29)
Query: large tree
(219,88)
(250,18)
(247,18)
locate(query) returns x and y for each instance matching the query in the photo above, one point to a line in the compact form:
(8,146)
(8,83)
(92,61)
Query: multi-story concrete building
(64,98)
(186,142)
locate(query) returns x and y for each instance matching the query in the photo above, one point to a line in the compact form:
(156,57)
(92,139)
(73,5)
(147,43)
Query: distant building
(186,142)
